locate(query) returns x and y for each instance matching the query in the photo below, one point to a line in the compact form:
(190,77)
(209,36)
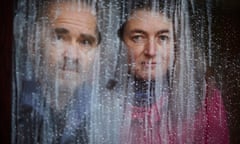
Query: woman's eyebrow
(163,31)
(137,31)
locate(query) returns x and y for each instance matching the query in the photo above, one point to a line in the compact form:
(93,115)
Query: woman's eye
(163,38)
(138,38)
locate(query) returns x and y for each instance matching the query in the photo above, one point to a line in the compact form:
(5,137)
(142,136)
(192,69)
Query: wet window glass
(125,72)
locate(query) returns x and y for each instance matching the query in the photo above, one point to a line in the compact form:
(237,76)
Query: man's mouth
(68,71)
(69,67)
(68,74)
(149,65)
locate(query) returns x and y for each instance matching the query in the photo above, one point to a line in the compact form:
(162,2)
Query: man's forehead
(70,6)
(67,13)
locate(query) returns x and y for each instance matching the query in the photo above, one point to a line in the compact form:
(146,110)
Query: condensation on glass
(105,104)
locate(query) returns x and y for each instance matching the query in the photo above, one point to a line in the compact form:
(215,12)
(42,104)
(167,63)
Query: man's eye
(60,37)
(85,42)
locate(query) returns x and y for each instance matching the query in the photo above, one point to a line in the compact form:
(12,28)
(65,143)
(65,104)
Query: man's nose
(150,48)
(71,50)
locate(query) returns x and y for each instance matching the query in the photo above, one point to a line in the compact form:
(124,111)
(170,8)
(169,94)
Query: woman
(167,98)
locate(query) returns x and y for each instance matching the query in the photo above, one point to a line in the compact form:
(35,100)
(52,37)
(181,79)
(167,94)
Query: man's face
(147,36)
(70,52)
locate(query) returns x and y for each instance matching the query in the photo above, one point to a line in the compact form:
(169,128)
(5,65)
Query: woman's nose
(150,48)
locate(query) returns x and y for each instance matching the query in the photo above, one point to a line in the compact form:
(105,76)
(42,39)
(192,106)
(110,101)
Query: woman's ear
(120,31)
(210,76)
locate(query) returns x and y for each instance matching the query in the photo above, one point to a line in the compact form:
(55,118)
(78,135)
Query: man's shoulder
(30,96)
(29,86)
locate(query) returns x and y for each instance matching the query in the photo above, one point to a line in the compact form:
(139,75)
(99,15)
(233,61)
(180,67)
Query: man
(65,45)
(72,48)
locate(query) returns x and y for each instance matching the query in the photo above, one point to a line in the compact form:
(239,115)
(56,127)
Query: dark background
(226,35)
(6,36)
(226,31)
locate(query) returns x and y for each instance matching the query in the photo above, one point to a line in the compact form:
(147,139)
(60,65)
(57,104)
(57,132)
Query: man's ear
(31,45)
(36,40)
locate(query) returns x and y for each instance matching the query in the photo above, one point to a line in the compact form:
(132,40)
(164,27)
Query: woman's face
(148,38)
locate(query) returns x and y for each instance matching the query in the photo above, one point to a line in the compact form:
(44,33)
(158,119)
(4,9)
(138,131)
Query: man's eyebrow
(88,37)
(61,31)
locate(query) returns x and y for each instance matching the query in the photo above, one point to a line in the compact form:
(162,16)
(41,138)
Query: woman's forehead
(143,14)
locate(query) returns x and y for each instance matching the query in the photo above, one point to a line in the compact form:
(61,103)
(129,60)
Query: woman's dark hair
(129,7)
